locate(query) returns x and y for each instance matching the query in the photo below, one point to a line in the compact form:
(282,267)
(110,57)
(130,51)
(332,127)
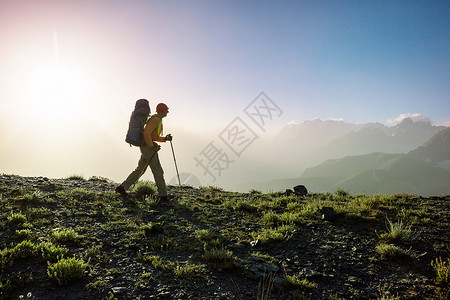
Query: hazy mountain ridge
(435,150)
(316,141)
(421,171)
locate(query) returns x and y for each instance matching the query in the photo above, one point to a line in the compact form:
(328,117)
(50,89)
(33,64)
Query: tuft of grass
(17,218)
(67,270)
(145,188)
(389,251)
(24,249)
(65,236)
(23,234)
(278,234)
(398,232)
(76,177)
(189,271)
(98,179)
(147,279)
(51,252)
(96,287)
(156,261)
(342,192)
(442,269)
(204,234)
(6,259)
(270,218)
(220,258)
(185,271)
(242,205)
(301,283)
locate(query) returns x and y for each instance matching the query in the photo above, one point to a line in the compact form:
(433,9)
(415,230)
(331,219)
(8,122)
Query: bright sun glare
(56,88)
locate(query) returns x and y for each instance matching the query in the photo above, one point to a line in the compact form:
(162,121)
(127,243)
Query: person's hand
(168,137)
(156,147)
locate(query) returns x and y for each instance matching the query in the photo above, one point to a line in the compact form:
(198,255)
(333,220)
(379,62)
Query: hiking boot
(121,190)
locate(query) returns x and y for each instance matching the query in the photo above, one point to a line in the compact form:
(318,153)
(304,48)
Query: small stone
(118,289)
(327,213)
(310,273)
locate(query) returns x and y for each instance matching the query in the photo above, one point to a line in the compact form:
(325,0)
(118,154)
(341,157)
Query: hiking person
(149,154)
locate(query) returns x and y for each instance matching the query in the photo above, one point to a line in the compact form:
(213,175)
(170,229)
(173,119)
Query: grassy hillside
(436,149)
(75,239)
(402,174)
(351,165)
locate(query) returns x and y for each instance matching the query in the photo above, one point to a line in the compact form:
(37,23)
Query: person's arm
(161,139)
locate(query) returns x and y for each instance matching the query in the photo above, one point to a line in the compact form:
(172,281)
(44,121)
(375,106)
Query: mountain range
(319,140)
(424,170)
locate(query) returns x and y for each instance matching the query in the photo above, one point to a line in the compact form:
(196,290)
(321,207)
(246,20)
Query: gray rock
(327,213)
(300,190)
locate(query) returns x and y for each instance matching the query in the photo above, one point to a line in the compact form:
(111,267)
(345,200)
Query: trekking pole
(176,167)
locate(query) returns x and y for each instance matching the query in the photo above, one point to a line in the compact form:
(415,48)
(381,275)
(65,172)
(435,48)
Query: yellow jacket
(153,130)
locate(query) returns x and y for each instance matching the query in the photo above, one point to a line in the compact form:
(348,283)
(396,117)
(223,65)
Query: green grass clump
(17,218)
(51,252)
(76,177)
(389,251)
(6,259)
(204,234)
(301,283)
(96,287)
(442,269)
(98,179)
(185,271)
(145,188)
(220,258)
(189,271)
(398,232)
(242,205)
(270,218)
(67,270)
(156,261)
(24,249)
(65,236)
(23,234)
(278,234)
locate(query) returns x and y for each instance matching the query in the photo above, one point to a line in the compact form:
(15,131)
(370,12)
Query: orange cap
(161,107)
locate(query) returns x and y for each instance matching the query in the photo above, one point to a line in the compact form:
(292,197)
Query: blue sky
(69,64)
(363,61)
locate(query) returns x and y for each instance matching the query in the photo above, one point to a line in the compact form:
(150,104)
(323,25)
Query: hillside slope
(212,244)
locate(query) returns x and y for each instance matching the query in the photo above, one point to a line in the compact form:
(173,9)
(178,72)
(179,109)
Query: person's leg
(134,176)
(157,170)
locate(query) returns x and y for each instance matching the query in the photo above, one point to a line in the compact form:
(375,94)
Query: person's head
(162,110)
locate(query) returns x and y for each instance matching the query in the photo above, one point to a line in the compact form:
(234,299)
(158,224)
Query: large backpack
(138,119)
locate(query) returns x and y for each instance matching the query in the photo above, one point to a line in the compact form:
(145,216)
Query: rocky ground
(211,244)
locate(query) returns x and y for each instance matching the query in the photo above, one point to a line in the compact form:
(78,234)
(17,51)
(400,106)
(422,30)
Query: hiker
(149,154)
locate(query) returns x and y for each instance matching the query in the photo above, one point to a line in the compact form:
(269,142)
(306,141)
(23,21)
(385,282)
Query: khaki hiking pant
(155,166)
